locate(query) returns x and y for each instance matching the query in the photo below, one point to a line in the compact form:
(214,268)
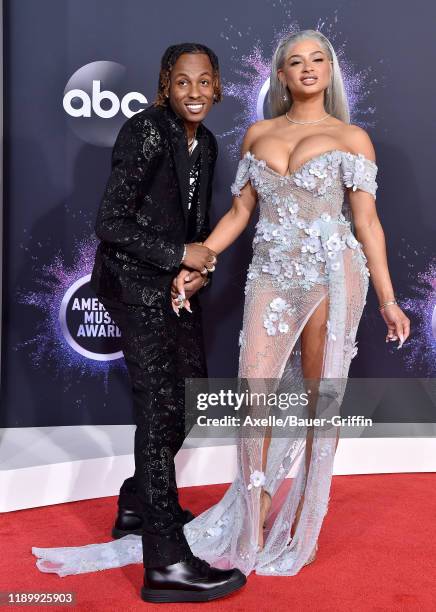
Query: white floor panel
(51,465)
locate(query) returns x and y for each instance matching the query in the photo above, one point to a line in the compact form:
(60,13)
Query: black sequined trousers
(160,351)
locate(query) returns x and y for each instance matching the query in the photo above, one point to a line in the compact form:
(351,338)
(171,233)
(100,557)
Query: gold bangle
(383,306)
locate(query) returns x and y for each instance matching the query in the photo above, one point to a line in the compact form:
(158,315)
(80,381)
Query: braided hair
(171,56)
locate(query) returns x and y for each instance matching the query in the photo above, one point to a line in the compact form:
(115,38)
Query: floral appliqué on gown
(304,251)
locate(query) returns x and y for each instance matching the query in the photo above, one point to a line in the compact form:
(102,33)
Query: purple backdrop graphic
(76,70)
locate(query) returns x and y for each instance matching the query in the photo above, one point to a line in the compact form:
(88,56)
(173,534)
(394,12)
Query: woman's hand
(397,322)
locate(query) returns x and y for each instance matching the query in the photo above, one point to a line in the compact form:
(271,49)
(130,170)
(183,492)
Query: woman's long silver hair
(335,98)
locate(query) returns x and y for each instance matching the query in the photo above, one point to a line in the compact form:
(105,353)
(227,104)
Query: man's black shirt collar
(179,124)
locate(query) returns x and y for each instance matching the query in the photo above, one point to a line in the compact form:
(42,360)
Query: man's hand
(199,257)
(185,284)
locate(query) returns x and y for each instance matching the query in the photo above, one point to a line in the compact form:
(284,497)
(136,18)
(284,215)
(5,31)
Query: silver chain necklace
(306,122)
(191,141)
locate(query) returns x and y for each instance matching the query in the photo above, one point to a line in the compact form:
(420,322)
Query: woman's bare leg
(313,338)
(265,498)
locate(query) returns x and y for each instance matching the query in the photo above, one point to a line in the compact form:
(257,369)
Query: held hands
(397,322)
(184,285)
(197,261)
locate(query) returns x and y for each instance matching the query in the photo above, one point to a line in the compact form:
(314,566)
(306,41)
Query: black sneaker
(192,580)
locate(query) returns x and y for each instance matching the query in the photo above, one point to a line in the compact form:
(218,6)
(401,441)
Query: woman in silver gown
(305,293)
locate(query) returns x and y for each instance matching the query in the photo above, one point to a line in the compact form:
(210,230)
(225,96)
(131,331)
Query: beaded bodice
(303,218)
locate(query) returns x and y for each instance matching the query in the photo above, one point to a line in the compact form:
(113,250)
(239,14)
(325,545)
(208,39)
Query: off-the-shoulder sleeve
(359,173)
(242,175)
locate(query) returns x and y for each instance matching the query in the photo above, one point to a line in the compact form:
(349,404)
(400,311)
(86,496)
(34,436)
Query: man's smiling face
(191,87)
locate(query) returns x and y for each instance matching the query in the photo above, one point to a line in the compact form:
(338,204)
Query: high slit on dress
(304,251)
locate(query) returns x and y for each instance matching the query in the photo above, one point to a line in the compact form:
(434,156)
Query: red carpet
(377,551)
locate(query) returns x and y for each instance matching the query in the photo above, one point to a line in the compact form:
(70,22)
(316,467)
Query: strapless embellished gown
(304,252)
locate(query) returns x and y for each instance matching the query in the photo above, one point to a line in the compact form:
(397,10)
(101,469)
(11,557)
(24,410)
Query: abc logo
(94,103)
(262,103)
(98,99)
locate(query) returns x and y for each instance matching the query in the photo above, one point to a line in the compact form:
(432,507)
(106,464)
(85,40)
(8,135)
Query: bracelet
(184,253)
(382,306)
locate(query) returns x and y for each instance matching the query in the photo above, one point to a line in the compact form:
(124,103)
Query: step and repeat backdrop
(76,70)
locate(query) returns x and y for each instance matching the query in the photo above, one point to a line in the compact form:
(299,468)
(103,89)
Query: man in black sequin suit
(152,219)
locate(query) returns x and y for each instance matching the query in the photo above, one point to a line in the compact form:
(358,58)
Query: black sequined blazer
(143,217)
